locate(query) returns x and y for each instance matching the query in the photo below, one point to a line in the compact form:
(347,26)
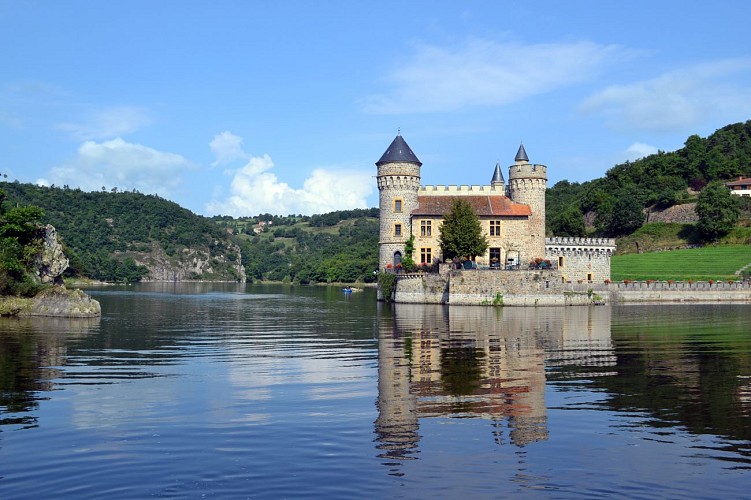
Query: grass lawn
(711,262)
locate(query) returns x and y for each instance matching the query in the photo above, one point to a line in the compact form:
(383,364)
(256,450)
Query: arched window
(397,258)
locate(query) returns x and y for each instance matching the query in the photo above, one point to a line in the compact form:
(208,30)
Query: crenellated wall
(586,259)
(463,189)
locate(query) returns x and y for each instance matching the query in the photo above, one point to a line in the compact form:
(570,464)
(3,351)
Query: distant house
(741,187)
(258,229)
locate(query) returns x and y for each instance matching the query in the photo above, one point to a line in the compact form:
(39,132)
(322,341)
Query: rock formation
(50,262)
(55,300)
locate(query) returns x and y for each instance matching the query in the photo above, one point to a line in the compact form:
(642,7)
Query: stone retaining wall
(545,288)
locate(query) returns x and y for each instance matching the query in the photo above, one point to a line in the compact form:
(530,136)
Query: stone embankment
(663,291)
(546,288)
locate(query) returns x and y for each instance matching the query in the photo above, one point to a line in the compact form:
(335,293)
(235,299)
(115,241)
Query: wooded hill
(129,236)
(614,204)
(106,234)
(339,246)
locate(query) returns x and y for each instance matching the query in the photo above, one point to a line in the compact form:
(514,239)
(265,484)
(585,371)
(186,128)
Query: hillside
(614,205)
(128,236)
(339,246)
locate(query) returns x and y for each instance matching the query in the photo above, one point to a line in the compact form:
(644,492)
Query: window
(495,228)
(426,228)
(590,276)
(560,262)
(397,229)
(426,255)
(398,206)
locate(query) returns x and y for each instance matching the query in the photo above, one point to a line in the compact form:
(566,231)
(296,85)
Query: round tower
(527,184)
(398,183)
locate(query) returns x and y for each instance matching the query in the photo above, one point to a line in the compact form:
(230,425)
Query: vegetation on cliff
(105,233)
(18,246)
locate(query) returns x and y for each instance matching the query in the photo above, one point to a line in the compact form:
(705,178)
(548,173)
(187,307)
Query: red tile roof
(740,182)
(483,205)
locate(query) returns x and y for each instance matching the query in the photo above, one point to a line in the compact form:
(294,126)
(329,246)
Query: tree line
(616,202)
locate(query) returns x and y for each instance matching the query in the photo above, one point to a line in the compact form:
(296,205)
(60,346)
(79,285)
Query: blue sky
(241,108)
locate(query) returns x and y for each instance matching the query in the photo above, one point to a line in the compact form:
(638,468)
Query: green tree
(569,222)
(627,216)
(18,245)
(408,260)
(718,211)
(461,234)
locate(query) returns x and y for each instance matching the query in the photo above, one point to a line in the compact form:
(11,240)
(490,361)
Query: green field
(711,262)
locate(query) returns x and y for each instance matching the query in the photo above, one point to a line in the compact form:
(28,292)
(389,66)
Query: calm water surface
(234,391)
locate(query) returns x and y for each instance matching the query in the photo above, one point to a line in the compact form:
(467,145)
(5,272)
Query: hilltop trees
(718,211)
(461,233)
(659,180)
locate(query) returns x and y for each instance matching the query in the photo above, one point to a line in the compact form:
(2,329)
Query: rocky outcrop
(678,214)
(53,301)
(48,266)
(57,301)
(193,264)
(50,263)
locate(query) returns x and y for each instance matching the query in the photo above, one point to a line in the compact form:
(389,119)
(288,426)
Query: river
(251,391)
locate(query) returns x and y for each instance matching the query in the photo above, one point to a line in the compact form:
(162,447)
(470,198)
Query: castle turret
(398,184)
(497,181)
(527,184)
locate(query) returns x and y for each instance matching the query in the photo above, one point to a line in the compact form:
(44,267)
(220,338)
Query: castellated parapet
(581,259)
(459,190)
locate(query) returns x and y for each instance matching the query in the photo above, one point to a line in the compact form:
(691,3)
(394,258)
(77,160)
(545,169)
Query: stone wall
(487,287)
(679,214)
(662,291)
(586,259)
(546,288)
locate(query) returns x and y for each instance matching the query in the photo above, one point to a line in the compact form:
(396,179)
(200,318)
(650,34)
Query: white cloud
(678,100)
(227,147)
(639,150)
(108,123)
(121,164)
(483,72)
(255,189)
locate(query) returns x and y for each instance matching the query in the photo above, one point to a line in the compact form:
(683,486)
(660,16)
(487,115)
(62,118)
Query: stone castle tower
(526,185)
(398,184)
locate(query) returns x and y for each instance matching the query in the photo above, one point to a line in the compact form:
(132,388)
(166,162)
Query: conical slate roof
(521,155)
(398,152)
(497,175)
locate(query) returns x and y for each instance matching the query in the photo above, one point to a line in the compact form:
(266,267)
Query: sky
(248,107)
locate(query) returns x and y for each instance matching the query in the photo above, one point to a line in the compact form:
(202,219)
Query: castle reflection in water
(478,362)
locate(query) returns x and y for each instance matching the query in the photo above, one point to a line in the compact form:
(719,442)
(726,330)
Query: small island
(32,262)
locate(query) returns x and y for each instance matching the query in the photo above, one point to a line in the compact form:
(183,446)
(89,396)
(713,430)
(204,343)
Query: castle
(512,217)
